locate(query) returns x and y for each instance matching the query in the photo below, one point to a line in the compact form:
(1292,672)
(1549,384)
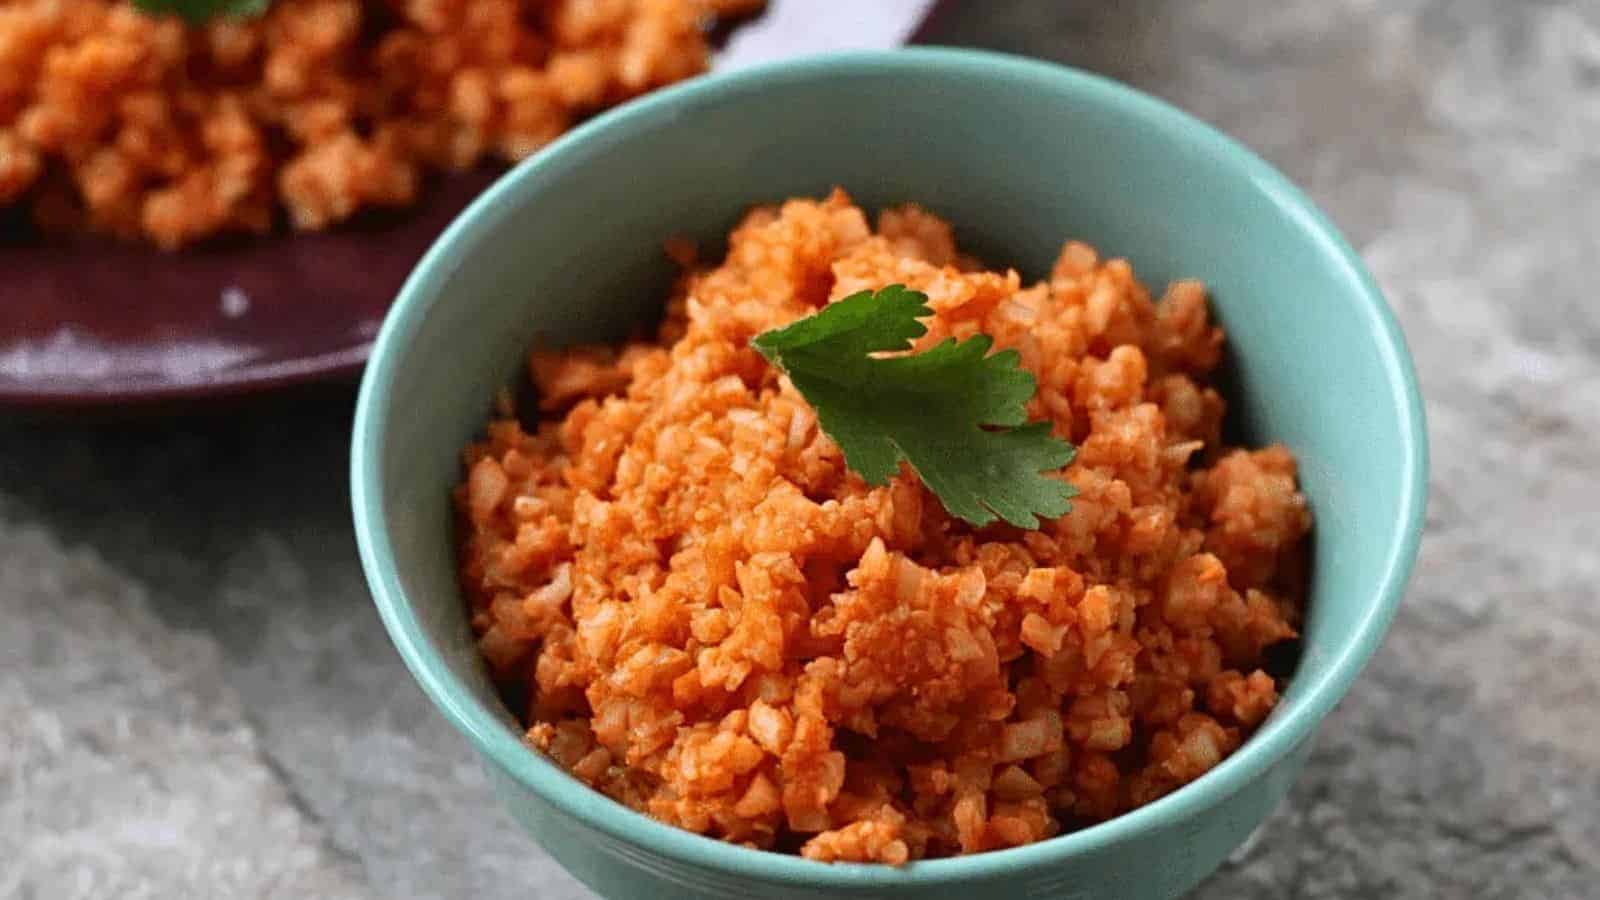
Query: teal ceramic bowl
(1019,155)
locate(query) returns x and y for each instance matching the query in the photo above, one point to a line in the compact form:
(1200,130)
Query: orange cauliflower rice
(118,122)
(704,615)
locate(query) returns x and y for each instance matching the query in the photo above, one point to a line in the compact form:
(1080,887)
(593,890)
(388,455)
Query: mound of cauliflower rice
(117,122)
(705,615)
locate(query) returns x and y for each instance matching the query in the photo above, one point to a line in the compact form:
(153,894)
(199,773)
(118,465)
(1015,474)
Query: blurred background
(197,699)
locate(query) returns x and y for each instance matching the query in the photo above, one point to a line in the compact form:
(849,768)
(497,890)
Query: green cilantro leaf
(201,10)
(955,413)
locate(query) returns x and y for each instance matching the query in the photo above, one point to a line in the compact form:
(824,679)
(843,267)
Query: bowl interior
(1019,156)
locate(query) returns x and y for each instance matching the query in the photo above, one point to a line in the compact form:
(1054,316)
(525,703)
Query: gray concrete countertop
(197,700)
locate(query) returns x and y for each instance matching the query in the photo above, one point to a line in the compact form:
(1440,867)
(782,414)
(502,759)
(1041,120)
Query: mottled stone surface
(196,698)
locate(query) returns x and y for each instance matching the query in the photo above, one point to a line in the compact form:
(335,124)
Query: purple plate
(96,324)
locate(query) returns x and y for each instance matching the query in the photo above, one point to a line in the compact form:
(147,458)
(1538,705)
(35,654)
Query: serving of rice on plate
(701,612)
(121,122)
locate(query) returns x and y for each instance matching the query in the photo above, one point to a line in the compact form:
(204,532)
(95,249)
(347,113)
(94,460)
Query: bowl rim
(486,729)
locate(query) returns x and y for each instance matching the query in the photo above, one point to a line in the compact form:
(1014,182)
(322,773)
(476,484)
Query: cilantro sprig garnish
(954,412)
(196,11)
